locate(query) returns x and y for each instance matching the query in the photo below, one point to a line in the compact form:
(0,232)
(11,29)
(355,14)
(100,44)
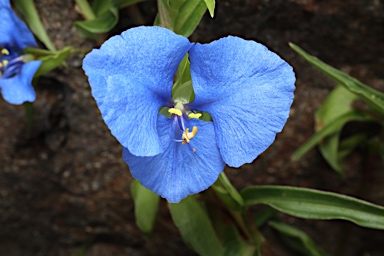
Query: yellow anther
(5,63)
(187,136)
(194,115)
(4,51)
(175,111)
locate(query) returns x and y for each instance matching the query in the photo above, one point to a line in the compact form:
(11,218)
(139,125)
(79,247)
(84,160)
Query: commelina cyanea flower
(247,90)
(15,75)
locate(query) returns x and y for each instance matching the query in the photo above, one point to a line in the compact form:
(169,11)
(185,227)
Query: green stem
(223,179)
(86,9)
(233,201)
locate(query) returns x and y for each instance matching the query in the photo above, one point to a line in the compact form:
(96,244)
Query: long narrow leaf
(329,129)
(211,7)
(297,239)
(146,207)
(338,103)
(85,9)
(195,227)
(316,204)
(28,9)
(101,24)
(190,14)
(369,94)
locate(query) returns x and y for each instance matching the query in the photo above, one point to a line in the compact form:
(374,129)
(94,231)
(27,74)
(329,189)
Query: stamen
(5,63)
(179,117)
(175,111)
(187,136)
(4,51)
(194,115)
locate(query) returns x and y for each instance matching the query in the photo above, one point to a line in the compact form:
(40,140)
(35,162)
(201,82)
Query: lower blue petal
(18,89)
(247,89)
(179,171)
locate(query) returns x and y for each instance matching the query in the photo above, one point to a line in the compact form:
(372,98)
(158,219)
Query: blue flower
(247,90)
(15,75)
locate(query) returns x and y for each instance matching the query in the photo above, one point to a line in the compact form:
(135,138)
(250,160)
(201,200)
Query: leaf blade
(316,204)
(330,129)
(146,207)
(189,16)
(101,24)
(367,93)
(28,9)
(195,226)
(211,6)
(297,239)
(50,59)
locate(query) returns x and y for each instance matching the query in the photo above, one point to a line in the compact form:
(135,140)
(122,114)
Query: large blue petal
(13,31)
(179,171)
(18,89)
(131,77)
(247,89)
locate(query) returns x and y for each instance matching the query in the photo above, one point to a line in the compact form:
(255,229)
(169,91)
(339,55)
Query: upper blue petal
(247,89)
(131,77)
(14,32)
(18,89)
(179,171)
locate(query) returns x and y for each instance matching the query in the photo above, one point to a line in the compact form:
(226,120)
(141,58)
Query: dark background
(64,190)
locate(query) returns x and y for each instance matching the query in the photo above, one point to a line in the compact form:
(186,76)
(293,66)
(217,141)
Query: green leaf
(347,145)
(101,24)
(235,245)
(164,111)
(146,207)
(211,7)
(181,16)
(367,93)
(189,16)
(338,103)
(316,204)
(183,93)
(168,11)
(50,59)
(195,227)
(264,215)
(85,9)
(28,10)
(100,7)
(297,239)
(329,149)
(330,129)
(182,90)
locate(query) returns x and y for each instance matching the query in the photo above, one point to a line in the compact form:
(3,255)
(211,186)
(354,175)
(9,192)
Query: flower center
(181,117)
(10,62)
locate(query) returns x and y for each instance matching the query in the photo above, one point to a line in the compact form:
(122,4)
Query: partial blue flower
(15,75)
(247,90)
